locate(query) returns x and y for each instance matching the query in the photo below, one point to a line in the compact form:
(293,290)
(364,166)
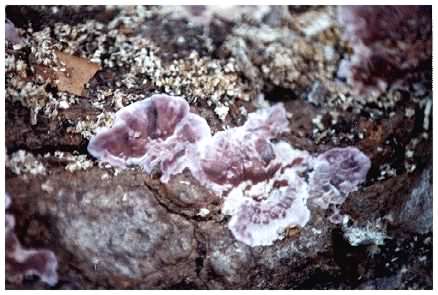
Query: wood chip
(78,71)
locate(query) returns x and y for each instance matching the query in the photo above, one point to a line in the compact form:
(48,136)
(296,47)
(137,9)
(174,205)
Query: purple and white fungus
(21,262)
(265,184)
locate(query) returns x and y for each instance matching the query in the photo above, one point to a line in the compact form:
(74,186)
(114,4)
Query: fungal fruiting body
(21,262)
(243,153)
(337,172)
(161,132)
(265,185)
(156,132)
(262,211)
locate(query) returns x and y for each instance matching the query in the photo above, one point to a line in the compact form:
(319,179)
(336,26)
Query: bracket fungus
(265,184)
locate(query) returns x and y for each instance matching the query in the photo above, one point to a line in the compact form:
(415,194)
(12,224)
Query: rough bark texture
(114,228)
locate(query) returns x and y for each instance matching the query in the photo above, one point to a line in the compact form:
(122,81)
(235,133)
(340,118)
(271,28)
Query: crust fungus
(158,131)
(265,185)
(243,153)
(261,212)
(337,172)
(21,262)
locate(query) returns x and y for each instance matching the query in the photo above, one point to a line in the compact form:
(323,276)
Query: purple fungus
(21,262)
(245,153)
(262,212)
(264,184)
(337,172)
(392,46)
(348,167)
(161,132)
(158,131)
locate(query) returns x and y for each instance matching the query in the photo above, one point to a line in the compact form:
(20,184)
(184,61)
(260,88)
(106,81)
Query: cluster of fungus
(21,262)
(265,182)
